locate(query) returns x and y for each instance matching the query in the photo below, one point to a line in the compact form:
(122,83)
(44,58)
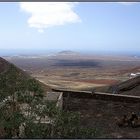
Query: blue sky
(87,27)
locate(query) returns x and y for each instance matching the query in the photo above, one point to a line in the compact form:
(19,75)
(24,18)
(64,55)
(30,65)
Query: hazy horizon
(48,52)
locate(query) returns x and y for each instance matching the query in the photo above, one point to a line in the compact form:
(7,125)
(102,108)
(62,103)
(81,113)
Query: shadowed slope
(129,87)
(7,68)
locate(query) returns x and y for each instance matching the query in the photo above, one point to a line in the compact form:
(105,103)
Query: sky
(43,27)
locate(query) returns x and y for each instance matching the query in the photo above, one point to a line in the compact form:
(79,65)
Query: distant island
(67,52)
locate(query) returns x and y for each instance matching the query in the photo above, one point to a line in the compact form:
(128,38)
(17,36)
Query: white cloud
(127,3)
(48,14)
(40,30)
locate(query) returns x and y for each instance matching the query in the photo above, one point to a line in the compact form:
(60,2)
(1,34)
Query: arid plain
(69,70)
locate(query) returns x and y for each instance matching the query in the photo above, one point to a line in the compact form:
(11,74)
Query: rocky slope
(129,87)
(8,70)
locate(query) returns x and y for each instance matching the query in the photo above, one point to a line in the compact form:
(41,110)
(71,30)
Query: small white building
(132,75)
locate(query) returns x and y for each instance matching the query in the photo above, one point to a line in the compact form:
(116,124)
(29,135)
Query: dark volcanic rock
(129,84)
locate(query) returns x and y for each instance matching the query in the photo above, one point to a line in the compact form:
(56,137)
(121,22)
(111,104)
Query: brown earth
(103,114)
(100,81)
(66,71)
(132,70)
